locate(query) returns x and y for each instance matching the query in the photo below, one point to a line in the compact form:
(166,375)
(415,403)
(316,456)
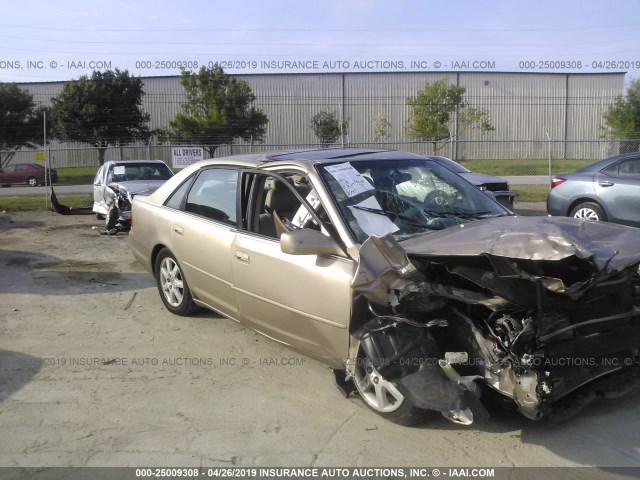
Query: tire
(32,181)
(589,211)
(172,285)
(382,396)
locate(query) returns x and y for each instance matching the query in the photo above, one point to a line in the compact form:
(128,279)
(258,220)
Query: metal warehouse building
(526,109)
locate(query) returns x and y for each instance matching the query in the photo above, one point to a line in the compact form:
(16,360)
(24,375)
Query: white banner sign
(185,156)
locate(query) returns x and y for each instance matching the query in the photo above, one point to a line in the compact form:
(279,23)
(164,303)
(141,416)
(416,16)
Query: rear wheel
(382,395)
(32,181)
(172,285)
(589,211)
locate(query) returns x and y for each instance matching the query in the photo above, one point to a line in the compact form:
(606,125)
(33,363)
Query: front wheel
(32,181)
(382,395)
(589,211)
(172,285)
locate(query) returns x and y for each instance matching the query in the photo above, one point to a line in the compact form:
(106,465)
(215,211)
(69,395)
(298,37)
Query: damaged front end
(118,218)
(545,312)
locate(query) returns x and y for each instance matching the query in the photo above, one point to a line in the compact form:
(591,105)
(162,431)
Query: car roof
(312,156)
(599,165)
(125,162)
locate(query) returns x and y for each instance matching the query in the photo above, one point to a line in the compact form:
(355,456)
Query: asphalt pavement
(20,190)
(528,180)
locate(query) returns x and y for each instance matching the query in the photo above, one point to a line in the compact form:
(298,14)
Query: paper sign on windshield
(373,223)
(118,170)
(349,179)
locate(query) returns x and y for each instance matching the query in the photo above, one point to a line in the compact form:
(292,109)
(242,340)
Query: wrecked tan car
(419,290)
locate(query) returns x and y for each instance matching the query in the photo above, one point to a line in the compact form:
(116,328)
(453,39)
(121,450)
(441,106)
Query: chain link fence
(506,157)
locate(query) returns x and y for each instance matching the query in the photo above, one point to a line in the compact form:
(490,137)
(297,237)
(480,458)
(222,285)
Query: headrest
(281,198)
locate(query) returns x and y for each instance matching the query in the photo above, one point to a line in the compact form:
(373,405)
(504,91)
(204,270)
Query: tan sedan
(419,290)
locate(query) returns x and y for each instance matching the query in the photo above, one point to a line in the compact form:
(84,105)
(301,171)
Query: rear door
(23,173)
(301,300)
(619,188)
(202,235)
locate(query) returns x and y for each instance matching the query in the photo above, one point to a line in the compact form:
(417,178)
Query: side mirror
(308,242)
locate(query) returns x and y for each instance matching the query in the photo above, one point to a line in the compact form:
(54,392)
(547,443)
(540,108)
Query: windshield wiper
(394,215)
(474,215)
(433,213)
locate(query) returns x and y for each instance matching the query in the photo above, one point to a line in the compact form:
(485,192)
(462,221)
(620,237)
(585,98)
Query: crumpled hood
(608,245)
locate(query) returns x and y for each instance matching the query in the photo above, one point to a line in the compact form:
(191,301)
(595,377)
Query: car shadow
(603,433)
(16,370)
(31,272)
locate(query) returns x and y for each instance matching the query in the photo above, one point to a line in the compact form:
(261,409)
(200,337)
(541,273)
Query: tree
(218,110)
(381,128)
(21,121)
(328,128)
(623,118)
(101,110)
(434,110)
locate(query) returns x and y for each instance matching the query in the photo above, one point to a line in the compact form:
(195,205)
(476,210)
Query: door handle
(606,184)
(178,229)
(241,256)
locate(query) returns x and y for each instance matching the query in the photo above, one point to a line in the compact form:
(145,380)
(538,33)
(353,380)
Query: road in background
(528,180)
(17,190)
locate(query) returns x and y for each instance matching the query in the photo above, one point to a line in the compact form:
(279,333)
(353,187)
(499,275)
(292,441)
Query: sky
(44,41)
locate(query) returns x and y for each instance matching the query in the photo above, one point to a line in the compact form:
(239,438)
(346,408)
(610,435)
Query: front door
(301,300)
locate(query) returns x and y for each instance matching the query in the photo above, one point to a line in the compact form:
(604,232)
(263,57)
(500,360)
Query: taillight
(131,219)
(557,181)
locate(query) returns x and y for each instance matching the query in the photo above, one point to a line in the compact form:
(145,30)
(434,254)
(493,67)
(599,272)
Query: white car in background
(124,179)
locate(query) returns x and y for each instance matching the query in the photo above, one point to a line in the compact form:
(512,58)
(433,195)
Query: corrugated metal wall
(289,101)
(524,108)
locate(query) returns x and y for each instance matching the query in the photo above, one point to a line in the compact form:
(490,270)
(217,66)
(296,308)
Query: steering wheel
(437,198)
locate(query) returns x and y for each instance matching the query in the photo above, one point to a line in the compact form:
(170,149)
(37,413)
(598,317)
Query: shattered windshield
(408,198)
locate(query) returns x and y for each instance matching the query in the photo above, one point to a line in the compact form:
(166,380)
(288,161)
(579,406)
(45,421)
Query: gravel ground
(95,372)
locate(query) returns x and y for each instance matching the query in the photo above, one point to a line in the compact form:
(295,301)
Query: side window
(213,195)
(611,170)
(176,198)
(278,209)
(630,168)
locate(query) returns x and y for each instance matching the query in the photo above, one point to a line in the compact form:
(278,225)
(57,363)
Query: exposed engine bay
(547,318)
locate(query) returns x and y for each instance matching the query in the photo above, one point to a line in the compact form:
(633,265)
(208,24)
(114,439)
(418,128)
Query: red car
(33,174)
